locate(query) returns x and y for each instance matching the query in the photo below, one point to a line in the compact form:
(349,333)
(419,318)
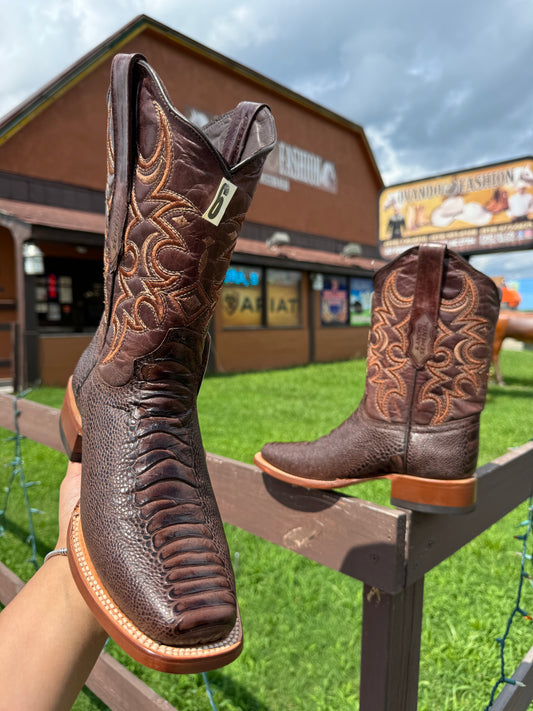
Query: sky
(437,86)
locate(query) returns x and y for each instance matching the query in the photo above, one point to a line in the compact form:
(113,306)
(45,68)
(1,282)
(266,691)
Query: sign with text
(286,162)
(472,211)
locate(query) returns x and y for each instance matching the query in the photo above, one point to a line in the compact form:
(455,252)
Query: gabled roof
(49,93)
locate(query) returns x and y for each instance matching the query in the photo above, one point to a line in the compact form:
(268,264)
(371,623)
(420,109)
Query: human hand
(69,495)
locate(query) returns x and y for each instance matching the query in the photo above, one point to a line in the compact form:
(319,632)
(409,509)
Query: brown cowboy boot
(146,545)
(430,346)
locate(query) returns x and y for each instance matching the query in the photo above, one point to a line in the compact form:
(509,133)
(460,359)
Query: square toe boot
(146,543)
(429,353)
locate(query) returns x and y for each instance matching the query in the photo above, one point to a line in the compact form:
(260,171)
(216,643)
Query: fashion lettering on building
(306,167)
(286,163)
(473,210)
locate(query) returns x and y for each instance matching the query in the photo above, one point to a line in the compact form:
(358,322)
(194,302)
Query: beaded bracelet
(58,551)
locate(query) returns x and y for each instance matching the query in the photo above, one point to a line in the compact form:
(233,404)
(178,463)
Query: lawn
(302,621)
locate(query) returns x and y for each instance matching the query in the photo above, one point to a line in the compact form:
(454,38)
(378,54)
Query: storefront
(298,288)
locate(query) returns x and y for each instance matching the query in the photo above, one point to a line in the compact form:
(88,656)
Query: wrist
(58,551)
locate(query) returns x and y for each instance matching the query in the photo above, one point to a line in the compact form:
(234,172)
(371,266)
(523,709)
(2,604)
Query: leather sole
(439,496)
(147,651)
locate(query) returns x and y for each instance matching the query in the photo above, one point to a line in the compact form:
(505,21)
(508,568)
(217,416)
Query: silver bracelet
(58,551)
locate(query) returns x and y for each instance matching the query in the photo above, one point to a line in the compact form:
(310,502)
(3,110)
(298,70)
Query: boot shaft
(430,344)
(176,199)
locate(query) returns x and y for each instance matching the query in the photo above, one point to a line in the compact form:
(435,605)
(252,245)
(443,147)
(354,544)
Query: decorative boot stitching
(146,283)
(458,367)
(461,327)
(387,354)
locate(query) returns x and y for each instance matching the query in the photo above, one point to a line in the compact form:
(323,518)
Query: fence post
(390,648)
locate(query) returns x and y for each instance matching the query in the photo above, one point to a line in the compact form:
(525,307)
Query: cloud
(511,265)
(437,88)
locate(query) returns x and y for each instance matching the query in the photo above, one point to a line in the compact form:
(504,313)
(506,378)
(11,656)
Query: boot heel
(70,425)
(456,496)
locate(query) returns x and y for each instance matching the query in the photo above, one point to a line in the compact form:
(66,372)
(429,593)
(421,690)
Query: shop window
(70,295)
(254,297)
(242,297)
(334,301)
(360,301)
(283,298)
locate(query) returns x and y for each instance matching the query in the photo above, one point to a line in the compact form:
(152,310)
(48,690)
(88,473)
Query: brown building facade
(299,285)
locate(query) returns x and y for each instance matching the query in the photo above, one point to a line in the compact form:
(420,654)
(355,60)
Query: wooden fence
(389,550)
(9,366)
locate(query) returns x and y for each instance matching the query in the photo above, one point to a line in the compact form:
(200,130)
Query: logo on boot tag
(215,211)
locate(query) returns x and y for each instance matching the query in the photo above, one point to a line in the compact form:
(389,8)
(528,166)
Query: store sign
(242,298)
(475,210)
(286,163)
(283,298)
(305,167)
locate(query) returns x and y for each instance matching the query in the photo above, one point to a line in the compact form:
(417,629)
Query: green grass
(303,621)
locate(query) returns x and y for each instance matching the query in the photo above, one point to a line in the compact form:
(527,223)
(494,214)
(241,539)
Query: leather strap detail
(243,117)
(423,322)
(123,106)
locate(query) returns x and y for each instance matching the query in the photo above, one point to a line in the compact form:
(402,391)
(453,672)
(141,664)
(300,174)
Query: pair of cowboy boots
(146,543)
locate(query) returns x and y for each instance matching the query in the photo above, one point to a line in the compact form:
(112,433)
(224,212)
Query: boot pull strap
(242,119)
(426,302)
(123,113)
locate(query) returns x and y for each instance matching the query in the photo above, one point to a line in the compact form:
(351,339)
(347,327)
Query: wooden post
(390,648)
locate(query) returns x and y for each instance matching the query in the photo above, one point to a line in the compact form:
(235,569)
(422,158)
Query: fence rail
(389,550)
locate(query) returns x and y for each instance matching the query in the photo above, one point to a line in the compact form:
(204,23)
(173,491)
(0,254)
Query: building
(299,285)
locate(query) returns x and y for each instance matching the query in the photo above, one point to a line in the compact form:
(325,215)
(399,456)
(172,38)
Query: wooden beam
(10,584)
(502,486)
(117,687)
(37,422)
(121,690)
(517,698)
(358,538)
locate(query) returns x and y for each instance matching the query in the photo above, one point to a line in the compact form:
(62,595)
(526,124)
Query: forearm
(54,642)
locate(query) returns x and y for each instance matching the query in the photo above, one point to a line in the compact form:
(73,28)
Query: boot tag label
(215,211)
(422,338)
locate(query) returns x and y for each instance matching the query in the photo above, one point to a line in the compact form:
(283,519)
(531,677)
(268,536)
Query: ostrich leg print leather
(149,526)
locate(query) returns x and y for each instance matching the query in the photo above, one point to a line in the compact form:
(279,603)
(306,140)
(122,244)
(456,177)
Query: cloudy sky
(436,86)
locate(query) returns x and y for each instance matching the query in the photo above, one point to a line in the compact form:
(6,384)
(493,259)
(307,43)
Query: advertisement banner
(472,211)
(334,301)
(360,301)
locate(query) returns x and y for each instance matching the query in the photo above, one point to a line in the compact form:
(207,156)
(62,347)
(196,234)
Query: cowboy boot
(146,544)
(429,353)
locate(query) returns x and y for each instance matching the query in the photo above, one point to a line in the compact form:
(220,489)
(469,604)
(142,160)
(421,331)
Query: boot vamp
(359,447)
(149,517)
